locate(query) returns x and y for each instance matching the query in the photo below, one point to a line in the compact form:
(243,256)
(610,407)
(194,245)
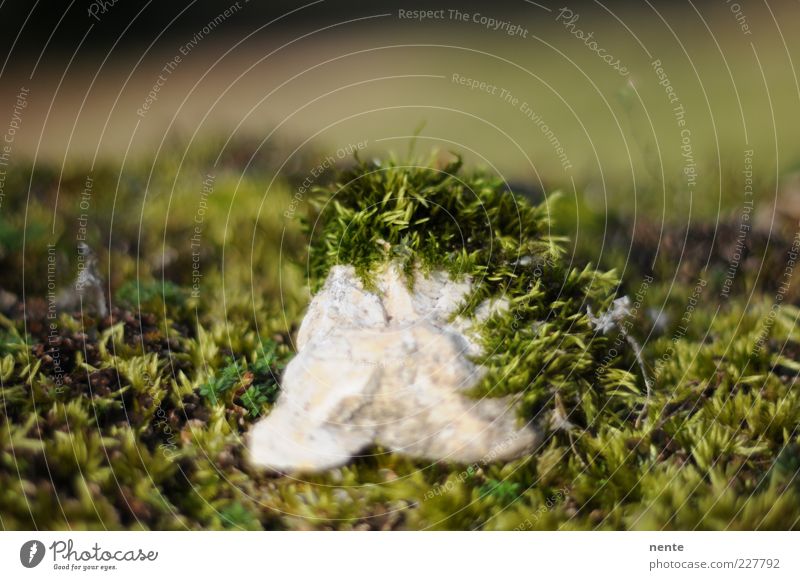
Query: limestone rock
(386,367)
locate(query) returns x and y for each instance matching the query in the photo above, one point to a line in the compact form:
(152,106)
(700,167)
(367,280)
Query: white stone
(386,367)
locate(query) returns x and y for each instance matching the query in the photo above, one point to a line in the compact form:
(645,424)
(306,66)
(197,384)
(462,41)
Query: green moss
(543,347)
(424,216)
(253,385)
(140,420)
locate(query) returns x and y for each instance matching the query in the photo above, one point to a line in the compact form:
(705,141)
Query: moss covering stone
(141,425)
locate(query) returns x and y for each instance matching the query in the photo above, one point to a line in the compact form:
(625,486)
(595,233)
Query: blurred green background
(274,91)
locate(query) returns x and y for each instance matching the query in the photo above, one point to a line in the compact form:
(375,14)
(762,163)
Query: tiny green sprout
(255,383)
(504,491)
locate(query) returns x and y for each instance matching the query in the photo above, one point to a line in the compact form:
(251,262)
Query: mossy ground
(136,419)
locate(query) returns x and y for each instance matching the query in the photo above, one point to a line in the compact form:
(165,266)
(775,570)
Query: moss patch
(135,420)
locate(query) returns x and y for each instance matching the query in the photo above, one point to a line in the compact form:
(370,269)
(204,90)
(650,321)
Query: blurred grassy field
(379,79)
